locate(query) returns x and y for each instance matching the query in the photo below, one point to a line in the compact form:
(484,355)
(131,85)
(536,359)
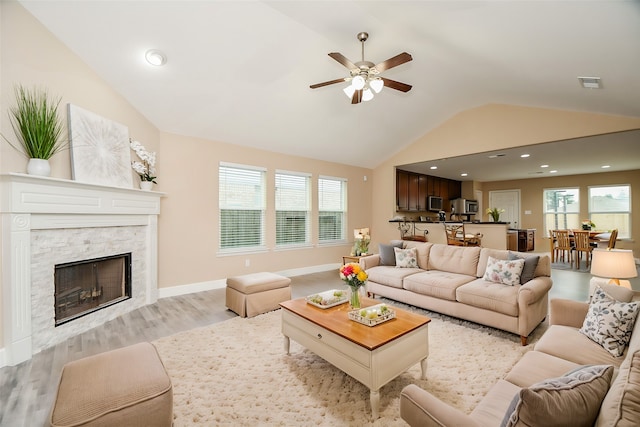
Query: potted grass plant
(39,130)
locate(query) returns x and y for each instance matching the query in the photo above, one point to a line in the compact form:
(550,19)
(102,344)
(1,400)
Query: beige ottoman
(257,293)
(124,387)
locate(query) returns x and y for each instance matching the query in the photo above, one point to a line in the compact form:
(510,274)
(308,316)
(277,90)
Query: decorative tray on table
(328,299)
(372,316)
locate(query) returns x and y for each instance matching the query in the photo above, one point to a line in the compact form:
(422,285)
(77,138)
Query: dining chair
(612,239)
(553,240)
(582,245)
(563,245)
(457,236)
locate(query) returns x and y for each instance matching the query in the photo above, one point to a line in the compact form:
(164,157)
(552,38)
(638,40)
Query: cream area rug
(236,373)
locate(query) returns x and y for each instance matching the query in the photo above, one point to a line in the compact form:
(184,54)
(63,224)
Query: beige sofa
(561,349)
(449,280)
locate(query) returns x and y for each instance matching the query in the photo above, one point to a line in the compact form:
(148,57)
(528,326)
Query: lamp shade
(614,263)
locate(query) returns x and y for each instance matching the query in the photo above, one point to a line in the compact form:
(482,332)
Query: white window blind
(332,202)
(292,208)
(242,207)
(610,208)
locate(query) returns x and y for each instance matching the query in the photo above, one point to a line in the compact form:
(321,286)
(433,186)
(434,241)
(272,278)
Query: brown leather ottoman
(256,293)
(124,387)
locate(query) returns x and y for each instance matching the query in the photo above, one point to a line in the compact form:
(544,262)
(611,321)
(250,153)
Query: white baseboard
(222,283)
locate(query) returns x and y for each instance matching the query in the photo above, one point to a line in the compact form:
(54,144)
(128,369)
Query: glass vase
(354,297)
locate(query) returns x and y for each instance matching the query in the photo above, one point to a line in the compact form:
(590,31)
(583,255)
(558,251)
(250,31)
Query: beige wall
(531,199)
(485,128)
(189,220)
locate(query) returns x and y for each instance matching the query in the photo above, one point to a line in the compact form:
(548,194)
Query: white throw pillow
(504,271)
(610,322)
(406,258)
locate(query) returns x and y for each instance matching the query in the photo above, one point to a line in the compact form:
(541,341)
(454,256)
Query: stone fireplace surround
(48,221)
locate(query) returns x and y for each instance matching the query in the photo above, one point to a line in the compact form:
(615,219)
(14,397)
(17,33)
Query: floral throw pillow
(610,322)
(506,272)
(406,258)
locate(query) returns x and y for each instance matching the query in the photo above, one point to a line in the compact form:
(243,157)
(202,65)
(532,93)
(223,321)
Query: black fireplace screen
(83,287)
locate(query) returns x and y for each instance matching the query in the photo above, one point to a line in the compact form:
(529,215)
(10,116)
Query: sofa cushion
(536,366)
(422,249)
(491,409)
(387,254)
(567,343)
(406,258)
(621,405)
(490,295)
(504,271)
(438,284)
(390,276)
(454,259)
(610,322)
(530,264)
(573,399)
(542,269)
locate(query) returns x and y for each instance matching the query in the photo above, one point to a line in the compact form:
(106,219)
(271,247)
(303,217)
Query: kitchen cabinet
(413,190)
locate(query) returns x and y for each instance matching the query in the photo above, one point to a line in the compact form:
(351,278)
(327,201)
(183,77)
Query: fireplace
(83,287)
(49,222)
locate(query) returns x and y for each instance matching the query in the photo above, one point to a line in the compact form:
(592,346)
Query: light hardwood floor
(27,390)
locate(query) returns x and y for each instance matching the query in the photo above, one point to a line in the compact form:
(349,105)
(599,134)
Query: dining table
(592,238)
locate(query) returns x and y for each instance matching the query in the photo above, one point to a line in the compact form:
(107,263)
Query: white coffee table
(373,355)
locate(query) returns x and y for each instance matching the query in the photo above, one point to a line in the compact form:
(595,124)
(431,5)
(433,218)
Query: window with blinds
(610,208)
(292,208)
(242,197)
(332,202)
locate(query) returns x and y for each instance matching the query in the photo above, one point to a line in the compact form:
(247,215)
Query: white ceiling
(239,71)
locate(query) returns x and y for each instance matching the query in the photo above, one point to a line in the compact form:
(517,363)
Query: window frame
(342,238)
(261,246)
(546,212)
(306,209)
(623,232)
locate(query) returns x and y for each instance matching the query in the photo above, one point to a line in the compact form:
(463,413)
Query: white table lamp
(615,264)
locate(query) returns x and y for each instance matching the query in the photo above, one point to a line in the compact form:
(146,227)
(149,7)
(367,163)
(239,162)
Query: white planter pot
(39,167)
(146,185)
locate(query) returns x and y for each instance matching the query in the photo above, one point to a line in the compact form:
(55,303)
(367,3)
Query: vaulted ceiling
(239,71)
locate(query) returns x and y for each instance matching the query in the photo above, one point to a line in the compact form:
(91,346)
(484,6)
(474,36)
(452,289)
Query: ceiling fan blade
(330,82)
(343,60)
(393,62)
(402,87)
(357,97)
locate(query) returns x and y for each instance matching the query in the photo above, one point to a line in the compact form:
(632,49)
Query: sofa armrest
(369,261)
(567,312)
(534,290)
(420,408)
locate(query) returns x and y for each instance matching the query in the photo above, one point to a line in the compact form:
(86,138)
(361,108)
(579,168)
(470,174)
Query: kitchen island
(494,234)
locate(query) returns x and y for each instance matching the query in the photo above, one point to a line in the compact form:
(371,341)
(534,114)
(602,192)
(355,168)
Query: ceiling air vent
(590,82)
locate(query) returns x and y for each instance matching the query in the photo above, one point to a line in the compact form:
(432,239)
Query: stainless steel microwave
(465,206)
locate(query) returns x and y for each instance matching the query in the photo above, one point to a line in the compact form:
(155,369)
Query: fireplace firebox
(82,287)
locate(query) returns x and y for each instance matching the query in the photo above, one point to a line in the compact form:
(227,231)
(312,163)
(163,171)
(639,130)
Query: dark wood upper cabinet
(413,189)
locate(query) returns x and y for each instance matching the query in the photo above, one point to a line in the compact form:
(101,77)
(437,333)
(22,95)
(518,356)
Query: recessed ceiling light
(590,82)
(544,166)
(553,171)
(155,57)
(464,174)
(433,167)
(524,155)
(605,166)
(493,156)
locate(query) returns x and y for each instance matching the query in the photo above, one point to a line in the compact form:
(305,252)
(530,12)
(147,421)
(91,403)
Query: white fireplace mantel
(35,203)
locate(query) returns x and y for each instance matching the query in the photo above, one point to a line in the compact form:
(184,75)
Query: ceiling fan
(364,75)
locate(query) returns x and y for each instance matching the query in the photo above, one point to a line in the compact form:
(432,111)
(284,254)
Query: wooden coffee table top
(336,320)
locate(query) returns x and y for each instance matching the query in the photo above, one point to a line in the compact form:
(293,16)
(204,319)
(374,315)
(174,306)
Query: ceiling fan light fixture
(358,82)
(376,84)
(367,95)
(349,90)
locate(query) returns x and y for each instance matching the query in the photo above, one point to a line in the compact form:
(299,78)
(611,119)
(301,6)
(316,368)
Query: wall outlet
(247,262)
(527,212)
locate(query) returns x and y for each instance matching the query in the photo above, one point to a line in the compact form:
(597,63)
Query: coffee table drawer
(321,341)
